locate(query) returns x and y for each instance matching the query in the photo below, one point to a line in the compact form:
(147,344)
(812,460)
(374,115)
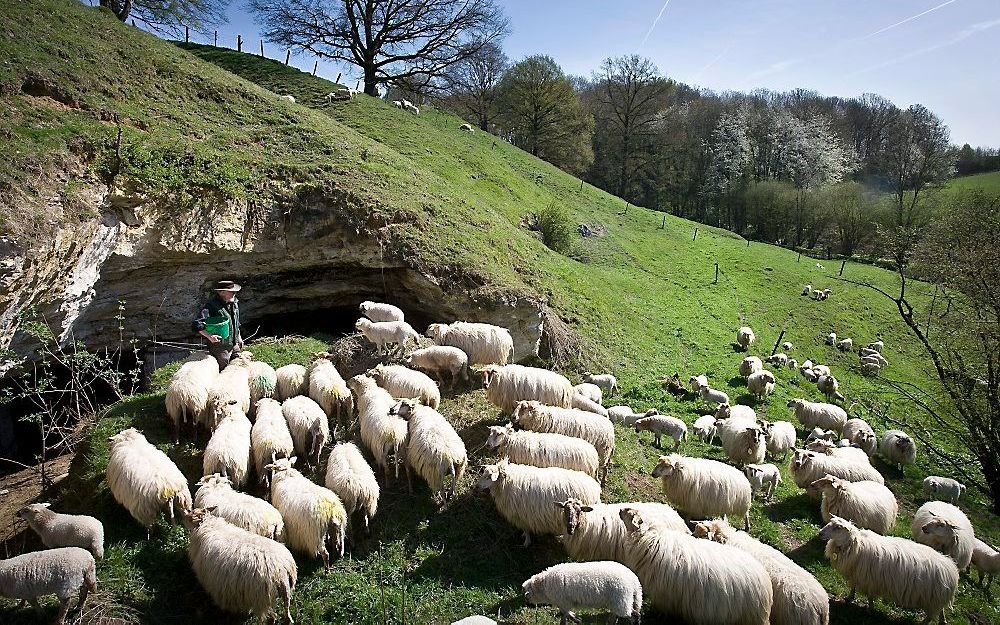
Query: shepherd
(219,323)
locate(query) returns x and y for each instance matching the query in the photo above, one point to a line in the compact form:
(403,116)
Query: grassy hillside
(643,298)
(989,182)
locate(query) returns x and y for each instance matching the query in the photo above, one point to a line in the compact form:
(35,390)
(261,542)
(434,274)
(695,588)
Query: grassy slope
(645,301)
(989,181)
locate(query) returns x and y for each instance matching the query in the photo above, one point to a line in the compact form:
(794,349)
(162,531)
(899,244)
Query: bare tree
(472,84)
(171,16)
(918,157)
(389,40)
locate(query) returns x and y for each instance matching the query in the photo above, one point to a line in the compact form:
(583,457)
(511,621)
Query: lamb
(292,380)
(807,289)
(413,108)
(809,466)
(270,438)
(780,437)
(187,393)
(215,492)
(799,599)
(898,448)
(605,381)
(625,415)
(507,385)
(232,384)
(383,434)
(898,570)
(308,426)
(780,359)
(524,495)
(590,391)
(727,411)
(241,571)
(831,338)
(328,389)
(467,128)
(870,369)
(817,294)
(743,440)
(845,345)
(441,361)
(579,402)
(404,382)
(544,449)
(826,293)
(986,559)
(314,516)
(263,381)
(64,530)
(872,356)
(869,505)
(484,343)
(144,480)
(572,585)
(787,346)
(377,311)
(352,479)
(763,477)
(761,384)
(705,429)
(878,346)
(792,364)
(385,333)
(433,448)
(60,572)
(713,397)
(660,425)
(750,364)
(817,414)
(703,488)
(858,432)
(228,451)
(745,338)
(828,385)
(592,428)
(596,532)
(945,527)
(943,488)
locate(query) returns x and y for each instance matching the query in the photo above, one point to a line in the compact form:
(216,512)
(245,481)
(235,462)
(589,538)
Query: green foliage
(555,224)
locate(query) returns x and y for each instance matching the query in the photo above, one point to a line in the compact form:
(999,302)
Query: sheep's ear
(558,504)
(232,402)
(586,509)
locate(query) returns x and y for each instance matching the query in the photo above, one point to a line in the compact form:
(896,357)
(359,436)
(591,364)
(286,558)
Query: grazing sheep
(524,495)
(386,333)
(444,362)
(433,448)
(819,434)
(580,402)
(292,380)
(845,345)
(787,346)
(572,585)
(64,530)
(328,389)
(290,98)
(228,451)
(232,384)
(764,477)
(872,356)
(743,440)
(698,382)
(905,573)
(871,368)
(270,438)
(263,380)
(817,414)
(352,479)
(626,416)
(484,343)
(674,385)
(750,364)
(713,397)
(761,384)
(826,293)
(308,426)
(255,515)
(413,108)
(780,359)
(384,435)
(828,385)
(144,480)
(405,382)
(590,391)
(314,516)
(605,381)
(660,425)
(705,429)
(187,393)
(703,488)
(858,432)
(241,571)
(596,532)
(799,599)
(898,448)
(792,364)
(817,294)
(60,572)
(780,437)
(592,428)
(854,454)
(986,559)
(878,346)
(807,289)
(738,411)
(809,466)
(544,449)
(831,338)
(745,338)
(509,384)
(943,488)
(945,527)
(869,505)
(467,128)
(377,311)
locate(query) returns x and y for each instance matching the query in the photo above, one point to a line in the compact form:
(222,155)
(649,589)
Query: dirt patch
(789,539)
(22,488)
(44,88)
(47,102)
(640,484)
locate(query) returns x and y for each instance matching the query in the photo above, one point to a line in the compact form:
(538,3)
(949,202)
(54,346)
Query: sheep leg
(323,553)
(83,598)
(286,596)
(527,539)
(746,522)
(677,445)
(562,616)
(63,609)
(849,599)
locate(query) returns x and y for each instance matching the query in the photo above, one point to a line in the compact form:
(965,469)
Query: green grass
(989,182)
(642,299)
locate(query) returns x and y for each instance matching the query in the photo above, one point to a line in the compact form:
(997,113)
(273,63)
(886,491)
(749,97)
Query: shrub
(555,224)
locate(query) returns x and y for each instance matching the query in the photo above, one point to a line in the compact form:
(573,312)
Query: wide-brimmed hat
(226,285)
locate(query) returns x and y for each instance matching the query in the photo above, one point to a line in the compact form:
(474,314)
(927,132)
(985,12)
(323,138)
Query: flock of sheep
(555,454)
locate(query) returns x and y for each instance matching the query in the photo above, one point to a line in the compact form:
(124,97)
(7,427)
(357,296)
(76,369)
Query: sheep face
(838,530)
(632,519)
(723,411)
(405,408)
(534,592)
(191,519)
(800,459)
(524,410)
(361,324)
(664,467)
(125,436)
(795,403)
(435,330)
(943,534)
(489,374)
(827,481)
(573,511)
(489,476)
(498,434)
(821,446)
(702,530)
(30,513)
(214,479)
(905,445)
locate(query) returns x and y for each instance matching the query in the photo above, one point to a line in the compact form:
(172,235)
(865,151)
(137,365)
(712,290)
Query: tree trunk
(371,86)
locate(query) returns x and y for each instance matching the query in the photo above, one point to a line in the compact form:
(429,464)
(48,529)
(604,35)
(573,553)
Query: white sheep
(761,384)
(509,384)
(308,425)
(64,530)
(698,382)
(263,381)
(386,333)
(726,411)
(809,466)
(580,402)
(906,573)
(780,438)
(858,432)
(232,384)
(816,414)
(750,364)
(187,392)
(144,480)
(763,477)
(290,98)
(403,382)
(829,386)
(413,108)
(878,346)
(590,391)
(787,346)
(743,440)
(871,369)
(270,438)
(702,488)
(819,434)
(792,364)
(845,345)
(745,338)
(349,475)
(378,311)
(807,289)
(433,448)
(625,415)
(573,585)
(596,531)
(241,571)
(943,488)
(383,434)
(292,380)
(328,389)
(485,344)
(660,425)
(898,448)
(543,449)
(826,293)
(228,451)
(596,430)
(252,514)
(605,381)
(524,495)
(872,356)
(60,572)
(705,429)
(314,516)
(467,128)
(986,559)
(713,397)
(847,452)
(945,527)
(444,362)
(817,294)
(780,359)
(869,505)
(831,338)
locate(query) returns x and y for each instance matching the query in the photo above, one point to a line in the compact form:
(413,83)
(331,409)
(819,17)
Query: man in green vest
(219,323)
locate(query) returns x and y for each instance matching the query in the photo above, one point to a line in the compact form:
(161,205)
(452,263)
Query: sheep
(241,571)
(524,495)
(433,448)
(820,370)
(401,381)
(705,429)
(698,382)
(270,438)
(263,380)
(485,344)
(816,414)
(544,449)
(228,451)
(377,311)
(792,364)
(871,356)
(352,479)
(870,369)
(943,488)
(745,338)
(799,599)
(308,425)
(986,559)
(579,402)
(727,411)
(700,581)
(232,383)
(441,361)
(845,345)
(787,346)
(780,359)
(809,466)
(383,434)
(858,432)
(743,440)
(626,416)
(764,477)
(342,94)
(590,391)
(596,532)
(806,290)
(944,527)
(328,389)
(869,505)
(144,480)
(60,572)
(596,430)
(467,128)
(761,384)
(674,385)
(826,293)
(660,425)
(292,380)
(819,434)
(828,385)
(386,333)
(713,397)
(290,98)
(750,364)
(780,438)
(314,516)
(831,338)
(702,488)
(509,384)
(572,585)
(605,381)
(817,294)
(255,515)
(187,392)
(413,108)
(898,448)
(398,103)
(906,573)
(853,454)
(878,346)
(64,530)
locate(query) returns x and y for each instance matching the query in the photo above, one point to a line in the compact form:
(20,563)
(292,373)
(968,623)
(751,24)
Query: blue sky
(940,53)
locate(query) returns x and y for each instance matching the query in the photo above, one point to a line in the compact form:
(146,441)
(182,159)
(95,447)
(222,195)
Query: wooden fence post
(288,56)
(581,185)
(663,225)
(748,242)
(315,65)
(842,267)
(716,281)
(799,258)
(695,237)
(239,43)
(338,78)
(187,35)
(778,342)
(262,47)
(215,40)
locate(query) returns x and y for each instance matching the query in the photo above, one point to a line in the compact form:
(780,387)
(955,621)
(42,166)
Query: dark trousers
(223,351)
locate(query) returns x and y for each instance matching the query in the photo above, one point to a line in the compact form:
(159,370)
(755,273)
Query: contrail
(974,29)
(657,21)
(711,63)
(909,19)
